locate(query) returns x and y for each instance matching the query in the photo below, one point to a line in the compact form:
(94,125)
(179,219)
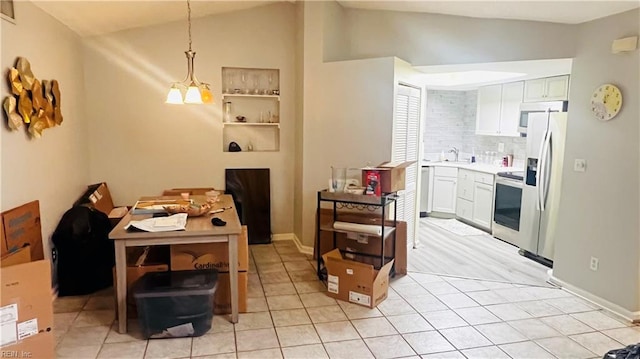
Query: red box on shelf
(372,183)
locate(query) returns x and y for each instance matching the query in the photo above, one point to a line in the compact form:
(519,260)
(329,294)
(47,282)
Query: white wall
(54,168)
(433,39)
(139,145)
(599,209)
(348,112)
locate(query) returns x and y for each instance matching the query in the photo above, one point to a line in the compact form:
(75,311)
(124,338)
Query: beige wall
(139,145)
(54,168)
(299,143)
(599,209)
(433,39)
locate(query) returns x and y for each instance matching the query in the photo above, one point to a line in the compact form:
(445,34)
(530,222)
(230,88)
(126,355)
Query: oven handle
(508,182)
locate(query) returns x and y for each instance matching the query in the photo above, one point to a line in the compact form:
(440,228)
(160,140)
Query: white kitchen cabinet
(464,209)
(482,204)
(444,191)
(465,184)
(510,108)
(488,113)
(498,109)
(547,89)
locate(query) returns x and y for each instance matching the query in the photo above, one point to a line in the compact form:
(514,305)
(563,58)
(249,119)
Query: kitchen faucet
(455,151)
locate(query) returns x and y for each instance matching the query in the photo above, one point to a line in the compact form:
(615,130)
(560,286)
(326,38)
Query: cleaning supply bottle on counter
(442,158)
(473,155)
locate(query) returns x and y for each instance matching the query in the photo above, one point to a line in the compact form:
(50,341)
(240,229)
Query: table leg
(121,285)
(233,275)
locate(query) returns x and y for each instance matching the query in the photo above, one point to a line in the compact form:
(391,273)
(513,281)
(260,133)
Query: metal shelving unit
(350,201)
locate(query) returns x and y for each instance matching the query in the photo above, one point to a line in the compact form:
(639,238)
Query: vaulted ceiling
(91,17)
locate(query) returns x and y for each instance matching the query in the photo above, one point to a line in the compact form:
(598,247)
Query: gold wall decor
(34,103)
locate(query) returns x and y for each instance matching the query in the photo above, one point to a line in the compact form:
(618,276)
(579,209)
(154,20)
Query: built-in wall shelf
(251,95)
(250,124)
(246,95)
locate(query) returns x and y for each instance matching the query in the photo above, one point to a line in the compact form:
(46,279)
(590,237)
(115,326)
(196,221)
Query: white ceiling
(91,17)
(94,17)
(531,70)
(566,12)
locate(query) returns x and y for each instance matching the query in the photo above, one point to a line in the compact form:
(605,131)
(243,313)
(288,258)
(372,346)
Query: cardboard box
(98,196)
(21,227)
(192,191)
(26,307)
(356,282)
(216,256)
(368,244)
(222,300)
(391,175)
(210,255)
(137,266)
(22,255)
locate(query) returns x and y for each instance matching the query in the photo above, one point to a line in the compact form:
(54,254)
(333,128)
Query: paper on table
(176,222)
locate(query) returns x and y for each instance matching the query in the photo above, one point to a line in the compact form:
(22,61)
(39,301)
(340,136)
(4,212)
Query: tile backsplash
(451,122)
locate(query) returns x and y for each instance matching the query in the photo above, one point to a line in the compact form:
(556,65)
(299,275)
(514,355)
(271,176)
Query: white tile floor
(425,316)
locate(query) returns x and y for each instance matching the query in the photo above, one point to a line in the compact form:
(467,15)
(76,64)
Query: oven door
(508,203)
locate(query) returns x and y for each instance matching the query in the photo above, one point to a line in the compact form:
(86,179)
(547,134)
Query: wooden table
(199,230)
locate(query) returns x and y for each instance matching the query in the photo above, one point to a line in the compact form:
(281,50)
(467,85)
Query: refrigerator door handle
(545,173)
(539,178)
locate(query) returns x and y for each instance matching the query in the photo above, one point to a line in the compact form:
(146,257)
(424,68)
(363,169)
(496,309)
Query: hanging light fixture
(196,92)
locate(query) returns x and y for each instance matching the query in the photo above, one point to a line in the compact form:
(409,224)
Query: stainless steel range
(507,207)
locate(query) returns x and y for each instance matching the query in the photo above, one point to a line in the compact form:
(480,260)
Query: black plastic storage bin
(175,304)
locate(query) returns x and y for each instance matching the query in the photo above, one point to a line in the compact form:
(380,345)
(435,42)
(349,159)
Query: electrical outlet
(500,147)
(580,165)
(593,265)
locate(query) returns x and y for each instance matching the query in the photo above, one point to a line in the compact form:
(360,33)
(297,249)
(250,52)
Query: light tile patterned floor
(425,316)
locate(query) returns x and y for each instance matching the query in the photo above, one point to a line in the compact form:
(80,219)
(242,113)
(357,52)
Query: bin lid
(177,283)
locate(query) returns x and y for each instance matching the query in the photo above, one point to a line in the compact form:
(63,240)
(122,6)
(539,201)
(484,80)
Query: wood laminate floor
(472,256)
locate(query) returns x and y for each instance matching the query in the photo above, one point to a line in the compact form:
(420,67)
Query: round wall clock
(606,102)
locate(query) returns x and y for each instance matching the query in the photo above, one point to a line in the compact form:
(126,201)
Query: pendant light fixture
(196,92)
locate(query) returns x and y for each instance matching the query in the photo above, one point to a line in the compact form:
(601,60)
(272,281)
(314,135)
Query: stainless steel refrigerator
(546,133)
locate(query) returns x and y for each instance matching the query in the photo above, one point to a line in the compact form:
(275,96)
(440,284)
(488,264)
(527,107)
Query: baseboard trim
(282,237)
(302,248)
(292,237)
(601,302)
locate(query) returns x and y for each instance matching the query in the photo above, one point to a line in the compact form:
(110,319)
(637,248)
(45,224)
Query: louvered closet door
(405,148)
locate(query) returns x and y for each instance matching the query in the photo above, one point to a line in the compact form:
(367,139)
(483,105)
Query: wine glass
(256,84)
(270,79)
(229,88)
(243,79)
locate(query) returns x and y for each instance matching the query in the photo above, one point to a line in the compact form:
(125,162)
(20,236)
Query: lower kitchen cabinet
(482,204)
(444,193)
(464,209)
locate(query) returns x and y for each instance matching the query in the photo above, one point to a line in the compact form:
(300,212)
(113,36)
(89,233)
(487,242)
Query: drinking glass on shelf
(243,79)
(228,82)
(270,80)
(256,84)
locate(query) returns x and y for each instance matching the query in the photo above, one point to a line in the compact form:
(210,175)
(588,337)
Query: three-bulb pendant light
(196,92)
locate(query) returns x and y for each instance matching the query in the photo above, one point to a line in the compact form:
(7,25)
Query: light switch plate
(500,147)
(580,165)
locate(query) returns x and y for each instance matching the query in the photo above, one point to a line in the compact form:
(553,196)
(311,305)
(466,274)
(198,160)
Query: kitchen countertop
(480,167)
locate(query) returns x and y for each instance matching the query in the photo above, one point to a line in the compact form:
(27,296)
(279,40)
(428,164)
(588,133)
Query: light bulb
(174,96)
(205,92)
(193,95)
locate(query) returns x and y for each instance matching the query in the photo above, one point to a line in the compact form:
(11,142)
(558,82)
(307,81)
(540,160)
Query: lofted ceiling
(93,17)
(565,12)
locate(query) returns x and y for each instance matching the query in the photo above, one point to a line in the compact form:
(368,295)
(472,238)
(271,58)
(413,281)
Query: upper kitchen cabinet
(498,111)
(547,89)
